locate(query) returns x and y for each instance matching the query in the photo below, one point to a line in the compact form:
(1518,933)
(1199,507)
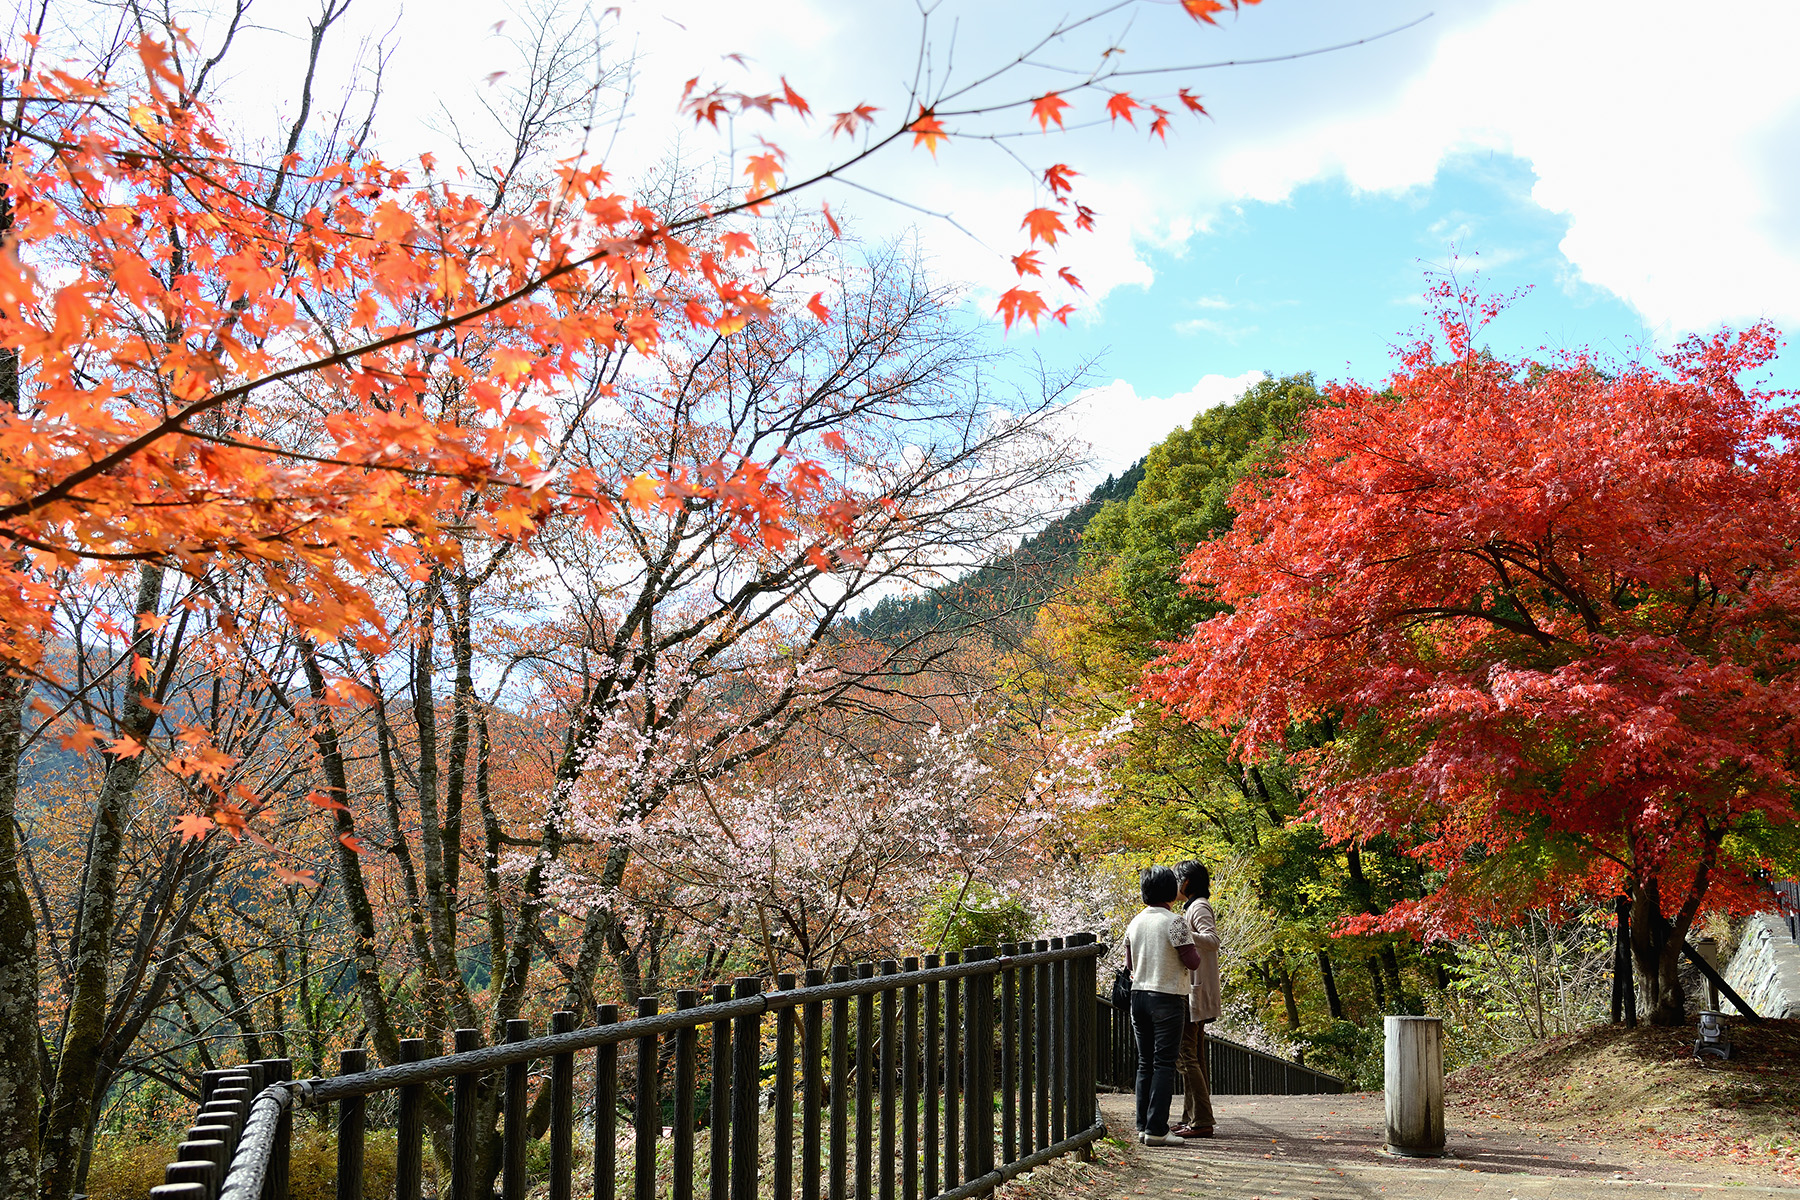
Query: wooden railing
(1233,1069)
(890,1081)
(1787,903)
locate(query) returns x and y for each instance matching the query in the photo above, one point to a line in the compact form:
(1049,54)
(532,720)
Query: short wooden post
(409,1161)
(465,1114)
(606,1109)
(746,1084)
(352,1120)
(1414,1081)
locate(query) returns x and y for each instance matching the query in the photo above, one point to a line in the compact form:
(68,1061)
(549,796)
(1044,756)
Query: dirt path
(1329,1148)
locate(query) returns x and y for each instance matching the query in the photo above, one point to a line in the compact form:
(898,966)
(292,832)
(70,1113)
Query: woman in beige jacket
(1203,1003)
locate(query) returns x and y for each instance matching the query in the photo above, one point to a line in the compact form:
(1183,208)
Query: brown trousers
(1196,1099)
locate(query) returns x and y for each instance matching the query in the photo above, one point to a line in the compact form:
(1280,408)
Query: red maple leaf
(1021,303)
(1120,104)
(847,122)
(1043,224)
(793,99)
(1047,108)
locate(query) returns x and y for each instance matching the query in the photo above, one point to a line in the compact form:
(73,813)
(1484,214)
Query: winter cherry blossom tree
(830,848)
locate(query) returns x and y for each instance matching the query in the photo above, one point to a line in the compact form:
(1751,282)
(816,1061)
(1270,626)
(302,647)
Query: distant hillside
(1001,595)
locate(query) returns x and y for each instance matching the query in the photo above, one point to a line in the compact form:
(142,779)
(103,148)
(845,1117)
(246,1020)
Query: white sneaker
(1161,1139)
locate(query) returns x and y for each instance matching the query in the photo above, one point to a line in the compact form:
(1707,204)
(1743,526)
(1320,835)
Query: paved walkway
(1329,1148)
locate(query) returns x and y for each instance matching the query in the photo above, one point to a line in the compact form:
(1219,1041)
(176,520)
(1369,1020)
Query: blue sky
(1330,280)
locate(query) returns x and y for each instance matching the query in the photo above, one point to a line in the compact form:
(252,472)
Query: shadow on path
(1329,1148)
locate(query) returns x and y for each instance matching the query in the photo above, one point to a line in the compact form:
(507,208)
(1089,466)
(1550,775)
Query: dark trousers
(1196,1094)
(1156,1019)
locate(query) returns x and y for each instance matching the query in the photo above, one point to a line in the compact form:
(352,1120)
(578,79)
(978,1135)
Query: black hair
(1157,885)
(1198,880)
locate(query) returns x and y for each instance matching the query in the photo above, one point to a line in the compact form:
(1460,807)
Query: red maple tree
(1551,613)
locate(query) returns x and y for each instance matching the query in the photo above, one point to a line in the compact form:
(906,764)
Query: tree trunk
(1326,973)
(20,1082)
(1375,979)
(1285,978)
(72,1097)
(1656,952)
(1390,968)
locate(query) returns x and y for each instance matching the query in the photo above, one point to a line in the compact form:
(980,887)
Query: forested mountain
(1002,595)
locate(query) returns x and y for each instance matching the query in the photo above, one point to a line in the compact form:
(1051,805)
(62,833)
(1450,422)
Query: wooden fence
(871,1092)
(1233,1069)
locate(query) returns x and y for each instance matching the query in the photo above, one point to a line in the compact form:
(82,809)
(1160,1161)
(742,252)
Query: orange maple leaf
(1193,102)
(84,738)
(927,130)
(1068,277)
(295,878)
(737,243)
(1160,126)
(1047,108)
(831,220)
(321,800)
(350,842)
(1044,224)
(192,827)
(1058,175)
(1120,104)
(833,439)
(640,493)
(1021,303)
(1203,10)
(764,171)
(1027,263)
(816,306)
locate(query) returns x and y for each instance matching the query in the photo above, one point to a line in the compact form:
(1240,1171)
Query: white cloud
(1665,133)
(1122,426)
(1219,329)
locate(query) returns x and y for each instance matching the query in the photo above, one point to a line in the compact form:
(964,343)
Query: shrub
(126,1168)
(313,1167)
(985,917)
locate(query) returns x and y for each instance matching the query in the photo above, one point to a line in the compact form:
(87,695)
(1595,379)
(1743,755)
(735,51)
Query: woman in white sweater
(1160,953)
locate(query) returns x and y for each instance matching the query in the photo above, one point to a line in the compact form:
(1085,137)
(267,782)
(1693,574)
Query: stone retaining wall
(1766,968)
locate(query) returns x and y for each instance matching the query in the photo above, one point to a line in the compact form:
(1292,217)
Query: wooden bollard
(1414,1083)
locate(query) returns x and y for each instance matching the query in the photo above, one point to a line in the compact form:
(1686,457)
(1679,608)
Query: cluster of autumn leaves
(310,425)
